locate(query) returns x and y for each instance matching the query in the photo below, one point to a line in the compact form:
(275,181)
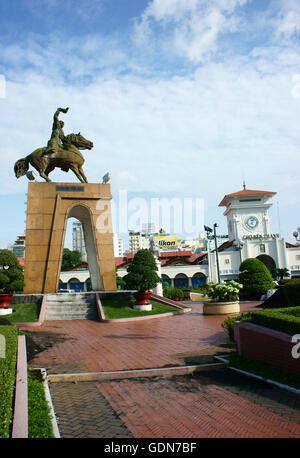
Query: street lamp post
(217,254)
(296,234)
(208,231)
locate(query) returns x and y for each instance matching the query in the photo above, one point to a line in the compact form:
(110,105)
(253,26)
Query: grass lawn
(39,422)
(23,313)
(263,370)
(114,309)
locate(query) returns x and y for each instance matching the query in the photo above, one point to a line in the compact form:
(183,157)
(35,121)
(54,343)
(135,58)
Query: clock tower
(247,213)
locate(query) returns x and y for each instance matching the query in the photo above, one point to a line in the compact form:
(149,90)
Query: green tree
(11,273)
(70,258)
(255,278)
(119,280)
(142,274)
(283,272)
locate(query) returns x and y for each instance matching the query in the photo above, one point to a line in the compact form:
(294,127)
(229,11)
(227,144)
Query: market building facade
(249,236)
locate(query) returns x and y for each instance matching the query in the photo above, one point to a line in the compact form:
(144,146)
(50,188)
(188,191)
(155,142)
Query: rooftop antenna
(244,184)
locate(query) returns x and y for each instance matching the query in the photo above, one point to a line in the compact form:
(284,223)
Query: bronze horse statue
(67,158)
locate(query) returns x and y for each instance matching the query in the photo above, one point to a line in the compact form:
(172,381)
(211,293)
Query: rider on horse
(55,143)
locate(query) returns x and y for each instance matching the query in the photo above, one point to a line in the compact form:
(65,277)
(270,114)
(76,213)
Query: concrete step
(72,297)
(71,317)
(71,306)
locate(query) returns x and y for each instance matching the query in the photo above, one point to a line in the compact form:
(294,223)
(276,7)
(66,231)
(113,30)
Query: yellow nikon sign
(167,241)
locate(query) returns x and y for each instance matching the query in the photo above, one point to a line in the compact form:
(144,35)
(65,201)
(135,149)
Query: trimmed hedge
(228,323)
(170,292)
(255,278)
(291,292)
(39,416)
(7,378)
(284,320)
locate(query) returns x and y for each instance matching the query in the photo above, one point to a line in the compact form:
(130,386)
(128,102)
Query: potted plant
(142,277)
(178,294)
(11,278)
(224,298)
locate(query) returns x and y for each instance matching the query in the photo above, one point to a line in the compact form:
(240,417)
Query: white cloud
(195,135)
(287,20)
(195,25)
(176,136)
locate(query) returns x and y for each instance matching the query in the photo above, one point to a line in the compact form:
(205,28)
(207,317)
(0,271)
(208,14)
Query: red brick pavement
(160,407)
(159,410)
(140,344)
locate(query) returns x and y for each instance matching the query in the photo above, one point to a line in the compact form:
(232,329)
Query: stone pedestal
(4,312)
(49,205)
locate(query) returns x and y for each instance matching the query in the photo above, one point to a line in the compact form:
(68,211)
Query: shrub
(39,422)
(291,292)
(284,320)
(255,278)
(224,292)
(180,293)
(170,292)
(228,323)
(11,273)
(142,274)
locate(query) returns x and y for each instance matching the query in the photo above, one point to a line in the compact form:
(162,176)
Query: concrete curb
(258,377)
(20,420)
(182,309)
(49,400)
(134,373)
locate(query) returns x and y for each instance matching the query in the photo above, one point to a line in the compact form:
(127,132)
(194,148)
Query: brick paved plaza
(210,404)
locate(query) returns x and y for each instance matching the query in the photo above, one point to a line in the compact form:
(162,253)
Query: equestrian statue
(61,151)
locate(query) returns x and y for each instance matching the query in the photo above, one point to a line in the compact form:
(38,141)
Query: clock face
(252,222)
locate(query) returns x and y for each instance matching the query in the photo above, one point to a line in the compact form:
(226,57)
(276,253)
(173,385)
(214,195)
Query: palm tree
(283,272)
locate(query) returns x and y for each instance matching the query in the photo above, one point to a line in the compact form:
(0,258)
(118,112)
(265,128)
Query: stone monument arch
(49,205)
(83,213)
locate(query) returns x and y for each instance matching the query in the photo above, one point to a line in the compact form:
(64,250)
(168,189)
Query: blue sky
(182,98)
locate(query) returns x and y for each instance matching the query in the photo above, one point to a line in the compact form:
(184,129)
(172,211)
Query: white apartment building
(118,246)
(78,242)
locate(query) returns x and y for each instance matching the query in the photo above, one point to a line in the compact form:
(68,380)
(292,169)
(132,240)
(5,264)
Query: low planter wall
(267,345)
(197,297)
(181,309)
(220,308)
(27,298)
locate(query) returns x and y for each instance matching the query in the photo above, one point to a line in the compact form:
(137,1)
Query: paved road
(211,404)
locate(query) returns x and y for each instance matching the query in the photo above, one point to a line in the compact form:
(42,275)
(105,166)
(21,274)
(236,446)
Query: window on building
(262,248)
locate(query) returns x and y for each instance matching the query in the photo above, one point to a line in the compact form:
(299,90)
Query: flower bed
(224,292)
